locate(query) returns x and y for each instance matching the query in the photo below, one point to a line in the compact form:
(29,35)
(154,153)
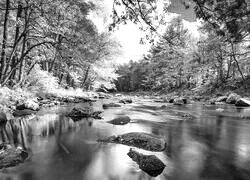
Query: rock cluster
(232,98)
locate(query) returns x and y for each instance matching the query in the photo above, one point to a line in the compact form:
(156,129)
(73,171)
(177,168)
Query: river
(214,145)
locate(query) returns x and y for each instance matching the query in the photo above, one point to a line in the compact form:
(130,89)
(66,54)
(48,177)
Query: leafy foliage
(56,35)
(212,62)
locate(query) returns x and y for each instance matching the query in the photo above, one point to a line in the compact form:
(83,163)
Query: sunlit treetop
(148,14)
(229,18)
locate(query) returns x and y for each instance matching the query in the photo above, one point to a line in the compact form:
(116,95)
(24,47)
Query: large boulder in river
(31,104)
(150,164)
(232,98)
(242,102)
(138,139)
(122,120)
(110,105)
(81,112)
(11,156)
(85,112)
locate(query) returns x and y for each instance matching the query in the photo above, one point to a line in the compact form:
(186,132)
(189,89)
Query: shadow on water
(214,145)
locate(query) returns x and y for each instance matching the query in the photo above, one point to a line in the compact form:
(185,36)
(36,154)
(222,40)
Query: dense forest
(178,61)
(54,42)
(44,41)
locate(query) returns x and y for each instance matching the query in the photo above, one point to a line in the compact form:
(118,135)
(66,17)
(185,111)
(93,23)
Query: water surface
(215,145)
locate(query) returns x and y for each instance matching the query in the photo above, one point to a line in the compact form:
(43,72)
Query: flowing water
(215,145)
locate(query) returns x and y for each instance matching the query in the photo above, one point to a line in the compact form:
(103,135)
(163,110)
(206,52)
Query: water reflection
(212,146)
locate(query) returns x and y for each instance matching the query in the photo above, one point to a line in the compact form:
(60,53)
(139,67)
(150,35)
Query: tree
(225,49)
(56,35)
(228,18)
(164,67)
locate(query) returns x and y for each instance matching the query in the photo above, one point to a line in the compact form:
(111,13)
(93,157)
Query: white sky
(129,35)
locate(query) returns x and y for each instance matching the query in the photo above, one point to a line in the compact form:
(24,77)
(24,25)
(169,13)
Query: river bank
(19,102)
(219,96)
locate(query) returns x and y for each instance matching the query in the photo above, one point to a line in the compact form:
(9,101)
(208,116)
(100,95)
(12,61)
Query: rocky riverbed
(165,138)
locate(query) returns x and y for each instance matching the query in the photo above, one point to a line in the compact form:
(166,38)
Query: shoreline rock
(232,98)
(242,102)
(31,104)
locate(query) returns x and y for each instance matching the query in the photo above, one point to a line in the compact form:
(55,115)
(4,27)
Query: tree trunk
(237,64)
(4,42)
(60,78)
(15,57)
(22,63)
(86,75)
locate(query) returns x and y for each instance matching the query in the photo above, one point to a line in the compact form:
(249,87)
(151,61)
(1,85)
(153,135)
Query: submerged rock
(232,98)
(138,139)
(243,102)
(126,101)
(11,156)
(79,112)
(110,105)
(122,120)
(150,164)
